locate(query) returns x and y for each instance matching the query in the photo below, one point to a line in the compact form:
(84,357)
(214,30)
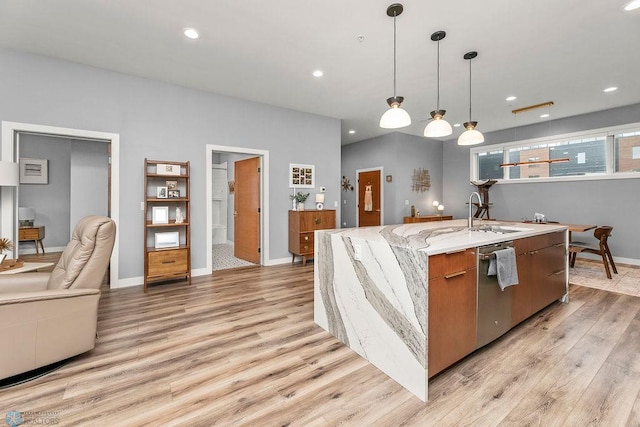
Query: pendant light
(470,136)
(438,127)
(395,117)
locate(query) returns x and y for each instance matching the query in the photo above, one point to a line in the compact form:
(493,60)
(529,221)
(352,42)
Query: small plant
(5,245)
(299,197)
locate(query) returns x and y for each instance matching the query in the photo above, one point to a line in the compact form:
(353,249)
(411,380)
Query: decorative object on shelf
(26,217)
(172,185)
(395,117)
(470,136)
(179,216)
(438,127)
(421,181)
(5,246)
(161,192)
(300,198)
(166,169)
(160,215)
(232,186)
(173,194)
(301,176)
(320,201)
(413,211)
(34,171)
(534,162)
(389,178)
(346,184)
(169,239)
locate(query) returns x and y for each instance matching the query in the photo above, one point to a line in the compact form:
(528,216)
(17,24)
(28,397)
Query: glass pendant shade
(470,136)
(395,117)
(438,127)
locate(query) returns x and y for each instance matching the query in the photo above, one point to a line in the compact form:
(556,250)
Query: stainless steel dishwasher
(494,305)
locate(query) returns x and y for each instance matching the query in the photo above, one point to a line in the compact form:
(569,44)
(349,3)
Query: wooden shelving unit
(170,260)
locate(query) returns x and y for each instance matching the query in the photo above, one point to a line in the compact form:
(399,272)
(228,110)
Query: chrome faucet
(470,220)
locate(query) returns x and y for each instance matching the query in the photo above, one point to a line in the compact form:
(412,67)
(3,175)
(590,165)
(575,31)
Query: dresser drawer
(167,262)
(452,262)
(31,233)
(306,243)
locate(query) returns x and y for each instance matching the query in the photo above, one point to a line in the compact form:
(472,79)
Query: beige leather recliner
(49,317)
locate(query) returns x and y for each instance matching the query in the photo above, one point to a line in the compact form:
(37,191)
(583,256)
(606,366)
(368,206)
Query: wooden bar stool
(601,233)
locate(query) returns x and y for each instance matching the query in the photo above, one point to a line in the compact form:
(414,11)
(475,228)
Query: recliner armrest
(24,297)
(23,282)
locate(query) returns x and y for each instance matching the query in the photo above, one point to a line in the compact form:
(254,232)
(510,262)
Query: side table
(33,234)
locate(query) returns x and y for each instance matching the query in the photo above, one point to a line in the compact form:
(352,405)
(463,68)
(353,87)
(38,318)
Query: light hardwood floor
(240,348)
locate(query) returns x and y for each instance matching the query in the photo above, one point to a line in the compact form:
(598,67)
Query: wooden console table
(33,234)
(426,218)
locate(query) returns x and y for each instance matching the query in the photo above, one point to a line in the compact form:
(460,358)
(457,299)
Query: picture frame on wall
(160,215)
(302,176)
(34,171)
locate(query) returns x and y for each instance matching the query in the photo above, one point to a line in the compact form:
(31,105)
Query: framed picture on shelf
(172,185)
(161,192)
(170,239)
(160,215)
(301,176)
(173,194)
(164,169)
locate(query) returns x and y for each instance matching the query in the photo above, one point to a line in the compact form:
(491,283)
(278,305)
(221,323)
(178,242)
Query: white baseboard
(616,259)
(278,261)
(47,250)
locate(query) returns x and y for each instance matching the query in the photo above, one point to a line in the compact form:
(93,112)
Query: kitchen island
(406,297)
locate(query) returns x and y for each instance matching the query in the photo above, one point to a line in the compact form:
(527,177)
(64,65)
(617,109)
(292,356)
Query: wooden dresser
(33,234)
(302,224)
(426,218)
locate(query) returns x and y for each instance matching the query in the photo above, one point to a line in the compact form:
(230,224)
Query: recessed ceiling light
(191,33)
(544,116)
(511,98)
(632,6)
(610,89)
(352,131)
(456,125)
(318,73)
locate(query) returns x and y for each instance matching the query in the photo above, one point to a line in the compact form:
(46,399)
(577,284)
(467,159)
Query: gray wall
(89,180)
(163,121)
(399,154)
(613,202)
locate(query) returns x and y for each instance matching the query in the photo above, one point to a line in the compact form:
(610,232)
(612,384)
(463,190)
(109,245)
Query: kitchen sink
(499,229)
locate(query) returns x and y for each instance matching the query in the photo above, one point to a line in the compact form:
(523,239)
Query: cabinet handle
(459,273)
(454,252)
(558,244)
(558,272)
(169,262)
(306,237)
(317,220)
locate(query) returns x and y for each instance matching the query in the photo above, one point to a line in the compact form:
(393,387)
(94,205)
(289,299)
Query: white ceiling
(564,51)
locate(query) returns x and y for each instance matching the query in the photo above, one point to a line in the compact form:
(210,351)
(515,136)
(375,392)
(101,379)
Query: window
(586,155)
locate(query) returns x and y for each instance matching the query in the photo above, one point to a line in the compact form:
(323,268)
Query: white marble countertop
(446,236)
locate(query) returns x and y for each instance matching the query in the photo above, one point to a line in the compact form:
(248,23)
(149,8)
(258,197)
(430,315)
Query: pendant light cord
(470,89)
(438,77)
(394,54)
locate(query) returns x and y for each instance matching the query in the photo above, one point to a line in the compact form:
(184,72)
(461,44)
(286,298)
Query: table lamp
(26,216)
(320,201)
(435,206)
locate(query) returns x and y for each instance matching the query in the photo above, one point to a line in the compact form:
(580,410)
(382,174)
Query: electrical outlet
(357,252)
(335,204)
(406,202)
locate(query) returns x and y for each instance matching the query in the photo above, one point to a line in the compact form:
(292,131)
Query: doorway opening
(237,207)
(12,133)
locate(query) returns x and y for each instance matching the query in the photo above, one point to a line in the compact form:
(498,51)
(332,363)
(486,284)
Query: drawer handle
(455,252)
(459,273)
(317,220)
(558,272)
(558,244)
(306,237)
(169,262)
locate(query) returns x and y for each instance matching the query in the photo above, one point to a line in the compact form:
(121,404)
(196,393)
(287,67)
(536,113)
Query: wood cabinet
(541,262)
(427,218)
(302,224)
(33,234)
(452,308)
(167,239)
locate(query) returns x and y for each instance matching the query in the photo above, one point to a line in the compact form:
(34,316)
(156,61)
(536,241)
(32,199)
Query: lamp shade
(394,118)
(9,174)
(470,137)
(320,198)
(438,127)
(26,214)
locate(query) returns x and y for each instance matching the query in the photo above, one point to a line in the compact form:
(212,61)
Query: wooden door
(247,210)
(369,210)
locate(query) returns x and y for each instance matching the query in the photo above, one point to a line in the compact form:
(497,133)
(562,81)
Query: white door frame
(264,198)
(378,168)
(9,209)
